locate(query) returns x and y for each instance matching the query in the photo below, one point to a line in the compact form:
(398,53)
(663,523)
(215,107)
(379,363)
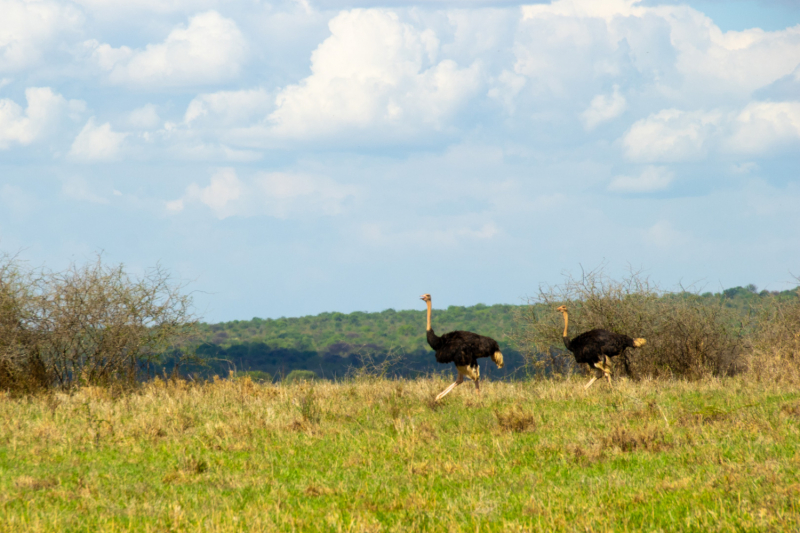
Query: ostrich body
(596,348)
(463,348)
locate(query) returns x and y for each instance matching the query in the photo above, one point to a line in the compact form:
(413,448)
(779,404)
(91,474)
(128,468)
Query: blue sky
(293,157)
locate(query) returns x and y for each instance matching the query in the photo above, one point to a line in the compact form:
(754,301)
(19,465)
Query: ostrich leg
(607,368)
(458,381)
(598,367)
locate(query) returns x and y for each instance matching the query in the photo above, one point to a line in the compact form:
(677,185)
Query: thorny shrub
(686,336)
(87,325)
(776,342)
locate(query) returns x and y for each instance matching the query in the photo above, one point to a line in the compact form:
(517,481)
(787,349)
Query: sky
(295,157)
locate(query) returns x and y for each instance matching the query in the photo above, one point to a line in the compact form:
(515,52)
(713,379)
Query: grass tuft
(515,419)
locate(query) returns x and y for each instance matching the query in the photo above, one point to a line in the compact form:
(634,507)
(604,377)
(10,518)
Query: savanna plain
(374,454)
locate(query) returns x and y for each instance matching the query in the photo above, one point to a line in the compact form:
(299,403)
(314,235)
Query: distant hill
(335,344)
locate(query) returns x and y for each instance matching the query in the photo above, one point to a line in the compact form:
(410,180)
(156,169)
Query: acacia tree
(91,324)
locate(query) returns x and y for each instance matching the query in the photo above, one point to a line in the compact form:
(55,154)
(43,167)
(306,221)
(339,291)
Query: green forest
(335,345)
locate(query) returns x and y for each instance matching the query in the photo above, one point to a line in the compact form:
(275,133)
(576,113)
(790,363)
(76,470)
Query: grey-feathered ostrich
(596,347)
(464,349)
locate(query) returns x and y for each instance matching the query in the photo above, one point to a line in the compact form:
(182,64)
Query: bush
(87,325)
(687,335)
(300,375)
(776,342)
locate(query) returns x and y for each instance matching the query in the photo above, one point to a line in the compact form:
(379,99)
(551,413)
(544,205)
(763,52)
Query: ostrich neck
(429,315)
(566,321)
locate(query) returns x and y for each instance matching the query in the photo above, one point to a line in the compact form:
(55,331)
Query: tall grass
(715,454)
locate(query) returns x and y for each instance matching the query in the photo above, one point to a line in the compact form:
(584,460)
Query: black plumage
(596,347)
(590,346)
(463,348)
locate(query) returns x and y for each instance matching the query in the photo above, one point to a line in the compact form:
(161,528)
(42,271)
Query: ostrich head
(562,309)
(425,297)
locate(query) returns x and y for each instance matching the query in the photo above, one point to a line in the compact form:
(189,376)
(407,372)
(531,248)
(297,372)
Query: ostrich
(596,347)
(462,348)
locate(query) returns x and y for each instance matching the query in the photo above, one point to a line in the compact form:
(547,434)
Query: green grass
(376,455)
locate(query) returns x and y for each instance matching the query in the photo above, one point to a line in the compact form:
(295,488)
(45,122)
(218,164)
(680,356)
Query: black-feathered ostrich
(596,348)
(463,348)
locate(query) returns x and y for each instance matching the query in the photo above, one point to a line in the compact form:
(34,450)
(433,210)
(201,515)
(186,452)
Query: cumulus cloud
(28,29)
(97,143)
(210,49)
(40,118)
(374,70)
(276,194)
(671,135)
(651,179)
(737,62)
(764,126)
(567,48)
(602,108)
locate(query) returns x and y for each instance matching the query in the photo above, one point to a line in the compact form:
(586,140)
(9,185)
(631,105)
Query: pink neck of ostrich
(566,320)
(428,302)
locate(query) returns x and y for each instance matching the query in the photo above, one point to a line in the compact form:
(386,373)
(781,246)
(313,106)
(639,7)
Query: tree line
(96,324)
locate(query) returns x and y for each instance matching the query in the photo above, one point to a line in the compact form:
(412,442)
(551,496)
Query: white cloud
(671,135)
(276,194)
(651,179)
(28,28)
(603,108)
(39,120)
(737,62)
(764,126)
(97,143)
(210,49)
(568,48)
(220,195)
(579,9)
(674,135)
(374,71)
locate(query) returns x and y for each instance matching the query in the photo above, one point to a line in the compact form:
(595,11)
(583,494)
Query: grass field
(377,455)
